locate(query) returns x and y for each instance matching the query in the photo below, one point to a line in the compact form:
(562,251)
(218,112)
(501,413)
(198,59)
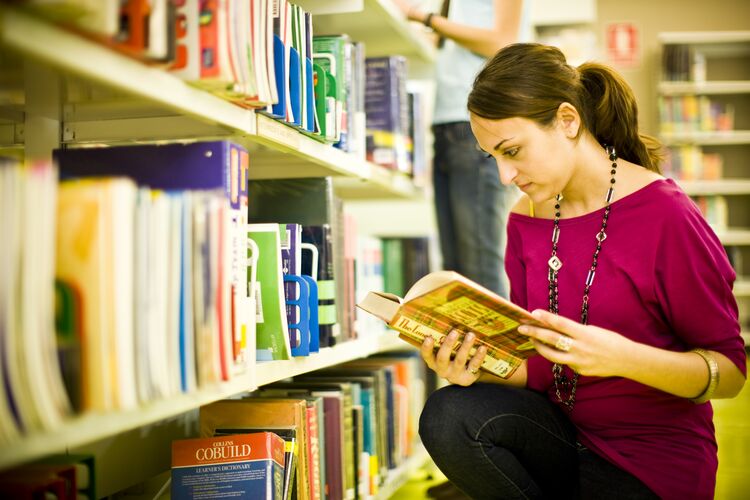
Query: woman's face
(536,159)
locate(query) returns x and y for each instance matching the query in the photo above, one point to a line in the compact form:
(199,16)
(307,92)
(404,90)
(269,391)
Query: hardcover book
(443,301)
(240,465)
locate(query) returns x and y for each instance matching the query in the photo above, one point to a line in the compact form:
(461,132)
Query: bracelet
(713,374)
(428,20)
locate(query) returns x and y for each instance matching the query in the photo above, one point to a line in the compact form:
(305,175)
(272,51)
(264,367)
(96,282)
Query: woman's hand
(589,350)
(462,369)
(412,12)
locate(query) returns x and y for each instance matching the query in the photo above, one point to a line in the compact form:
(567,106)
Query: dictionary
(237,466)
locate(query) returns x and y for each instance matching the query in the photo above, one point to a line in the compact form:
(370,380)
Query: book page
(431,282)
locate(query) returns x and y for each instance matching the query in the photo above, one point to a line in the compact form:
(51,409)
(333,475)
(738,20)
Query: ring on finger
(564,343)
(474,371)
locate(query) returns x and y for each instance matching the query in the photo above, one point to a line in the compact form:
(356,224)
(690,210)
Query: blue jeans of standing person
(470,207)
(495,441)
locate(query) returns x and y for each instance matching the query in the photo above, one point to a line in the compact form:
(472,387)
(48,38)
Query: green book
(272,332)
(393,266)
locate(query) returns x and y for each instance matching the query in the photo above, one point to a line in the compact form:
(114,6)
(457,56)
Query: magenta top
(663,279)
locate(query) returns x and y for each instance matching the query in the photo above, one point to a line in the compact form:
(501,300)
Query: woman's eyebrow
(497,146)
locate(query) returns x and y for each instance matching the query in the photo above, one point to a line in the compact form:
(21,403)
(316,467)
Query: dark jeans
(470,207)
(495,441)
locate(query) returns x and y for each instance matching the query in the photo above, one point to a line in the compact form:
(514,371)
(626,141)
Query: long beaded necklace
(563,383)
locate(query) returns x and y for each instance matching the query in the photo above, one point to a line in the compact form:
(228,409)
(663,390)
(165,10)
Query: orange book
(444,301)
(262,413)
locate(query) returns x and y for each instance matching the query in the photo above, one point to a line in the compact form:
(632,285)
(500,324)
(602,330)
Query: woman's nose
(507,173)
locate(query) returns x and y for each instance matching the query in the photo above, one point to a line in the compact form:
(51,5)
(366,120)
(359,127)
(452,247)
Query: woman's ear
(569,120)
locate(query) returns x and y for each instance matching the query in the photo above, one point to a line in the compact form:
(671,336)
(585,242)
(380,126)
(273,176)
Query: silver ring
(564,343)
(474,371)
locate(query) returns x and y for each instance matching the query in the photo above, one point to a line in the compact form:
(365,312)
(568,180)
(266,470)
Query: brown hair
(530,80)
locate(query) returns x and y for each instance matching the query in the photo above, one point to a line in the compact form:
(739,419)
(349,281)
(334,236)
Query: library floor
(732,420)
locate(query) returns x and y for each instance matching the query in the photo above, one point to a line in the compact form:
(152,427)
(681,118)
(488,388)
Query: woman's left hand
(411,11)
(589,350)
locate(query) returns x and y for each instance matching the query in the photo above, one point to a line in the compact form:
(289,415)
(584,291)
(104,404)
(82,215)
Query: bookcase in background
(704,116)
(63,90)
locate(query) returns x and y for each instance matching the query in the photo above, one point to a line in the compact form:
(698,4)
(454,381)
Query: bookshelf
(143,104)
(377,23)
(69,90)
(704,95)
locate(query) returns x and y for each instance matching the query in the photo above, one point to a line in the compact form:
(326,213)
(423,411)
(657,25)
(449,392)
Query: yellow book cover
(443,301)
(94,258)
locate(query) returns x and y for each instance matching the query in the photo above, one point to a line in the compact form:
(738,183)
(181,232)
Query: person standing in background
(470,201)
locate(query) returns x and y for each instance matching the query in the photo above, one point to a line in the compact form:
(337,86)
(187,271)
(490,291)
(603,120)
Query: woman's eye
(511,152)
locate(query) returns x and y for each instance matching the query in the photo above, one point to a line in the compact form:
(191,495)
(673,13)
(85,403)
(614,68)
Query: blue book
(278,110)
(310,92)
(295,88)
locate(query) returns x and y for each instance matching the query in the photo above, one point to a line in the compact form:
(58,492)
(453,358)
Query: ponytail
(612,116)
(531,80)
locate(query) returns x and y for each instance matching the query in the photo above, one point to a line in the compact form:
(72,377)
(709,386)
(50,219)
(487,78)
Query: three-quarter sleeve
(694,285)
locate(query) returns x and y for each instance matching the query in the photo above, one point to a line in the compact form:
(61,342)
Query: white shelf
(91,427)
(742,287)
(383,29)
(734,237)
(727,138)
(704,88)
(74,54)
(159,106)
(289,153)
(273,371)
(384,183)
(704,37)
(87,428)
(717,187)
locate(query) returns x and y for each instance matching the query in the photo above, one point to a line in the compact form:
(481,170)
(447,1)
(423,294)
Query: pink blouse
(663,279)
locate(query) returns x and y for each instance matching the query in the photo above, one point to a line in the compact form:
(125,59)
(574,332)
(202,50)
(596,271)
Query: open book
(445,300)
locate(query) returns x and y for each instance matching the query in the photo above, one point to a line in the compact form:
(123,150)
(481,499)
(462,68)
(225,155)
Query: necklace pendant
(554,263)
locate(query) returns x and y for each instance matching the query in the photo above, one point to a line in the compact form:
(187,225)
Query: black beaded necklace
(563,383)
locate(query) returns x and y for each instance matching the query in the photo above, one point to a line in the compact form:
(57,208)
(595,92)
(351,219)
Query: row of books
(172,272)
(262,54)
(690,113)
(691,163)
(67,476)
(739,262)
(683,63)
(714,210)
(346,427)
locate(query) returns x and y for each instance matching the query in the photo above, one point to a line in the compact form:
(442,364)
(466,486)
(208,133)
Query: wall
(653,16)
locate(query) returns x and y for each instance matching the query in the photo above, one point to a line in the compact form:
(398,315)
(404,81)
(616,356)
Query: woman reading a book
(633,288)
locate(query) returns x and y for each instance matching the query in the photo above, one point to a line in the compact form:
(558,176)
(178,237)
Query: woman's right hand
(461,370)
